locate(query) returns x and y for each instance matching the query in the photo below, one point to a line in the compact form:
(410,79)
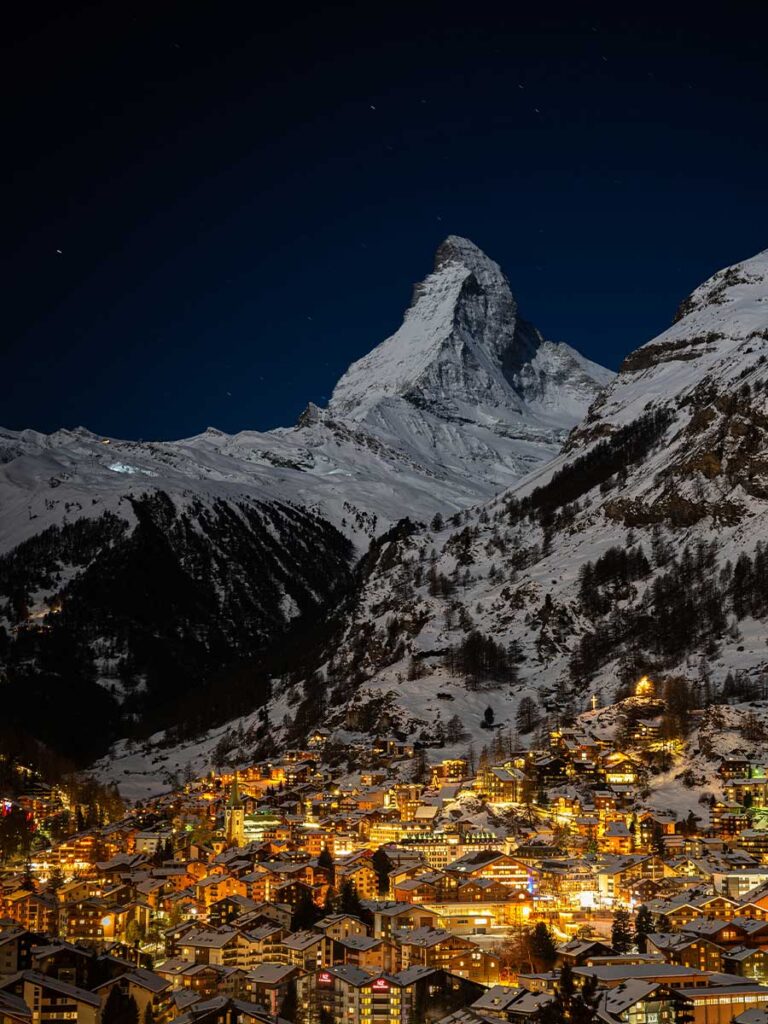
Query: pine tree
(290,1003)
(621,931)
(131,1011)
(643,926)
(112,1012)
(584,1010)
(527,717)
(120,1008)
(420,765)
(572,1005)
(382,865)
(454,729)
(682,1011)
(542,946)
(55,879)
(305,913)
(349,901)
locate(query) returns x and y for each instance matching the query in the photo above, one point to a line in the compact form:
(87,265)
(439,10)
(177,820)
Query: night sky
(242,195)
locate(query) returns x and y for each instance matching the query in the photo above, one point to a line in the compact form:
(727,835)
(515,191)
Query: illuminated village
(373,884)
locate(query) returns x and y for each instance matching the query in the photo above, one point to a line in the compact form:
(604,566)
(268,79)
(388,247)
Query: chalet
(365,951)
(37,912)
(204,980)
(227,947)
(724,933)
(13,1009)
(733,768)
(620,770)
(268,984)
(700,952)
(477,965)
(67,962)
(578,951)
(340,926)
(223,1010)
(175,934)
(146,987)
(501,784)
(358,869)
(318,738)
(51,999)
(748,791)
(549,771)
(228,908)
(431,947)
(390,916)
(747,962)
(483,890)
(616,838)
(304,949)
(348,993)
(16,947)
(642,1002)
(490,864)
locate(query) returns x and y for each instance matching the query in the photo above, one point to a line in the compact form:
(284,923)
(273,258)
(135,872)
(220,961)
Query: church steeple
(234,794)
(234,816)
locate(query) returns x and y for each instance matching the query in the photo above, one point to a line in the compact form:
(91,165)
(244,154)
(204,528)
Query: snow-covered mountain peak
(397,364)
(465,253)
(718,342)
(463,352)
(737,287)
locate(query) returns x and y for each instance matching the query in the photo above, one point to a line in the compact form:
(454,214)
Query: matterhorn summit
(463,354)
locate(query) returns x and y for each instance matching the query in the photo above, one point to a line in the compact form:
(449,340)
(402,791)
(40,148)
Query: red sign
(324,978)
(380,985)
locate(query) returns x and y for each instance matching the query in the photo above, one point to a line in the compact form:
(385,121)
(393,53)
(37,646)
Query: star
(59,251)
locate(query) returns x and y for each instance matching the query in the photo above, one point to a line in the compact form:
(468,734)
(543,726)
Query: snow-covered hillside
(229,541)
(639,548)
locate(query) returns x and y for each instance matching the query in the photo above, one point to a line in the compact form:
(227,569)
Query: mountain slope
(152,580)
(461,402)
(660,488)
(640,548)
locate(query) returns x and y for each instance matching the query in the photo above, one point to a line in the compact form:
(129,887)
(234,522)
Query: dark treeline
(481,659)
(627,446)
(603,582)
(171,621)
(687,606)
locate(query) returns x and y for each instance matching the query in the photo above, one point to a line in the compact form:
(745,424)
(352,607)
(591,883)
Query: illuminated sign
(380,985)
(324,978)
